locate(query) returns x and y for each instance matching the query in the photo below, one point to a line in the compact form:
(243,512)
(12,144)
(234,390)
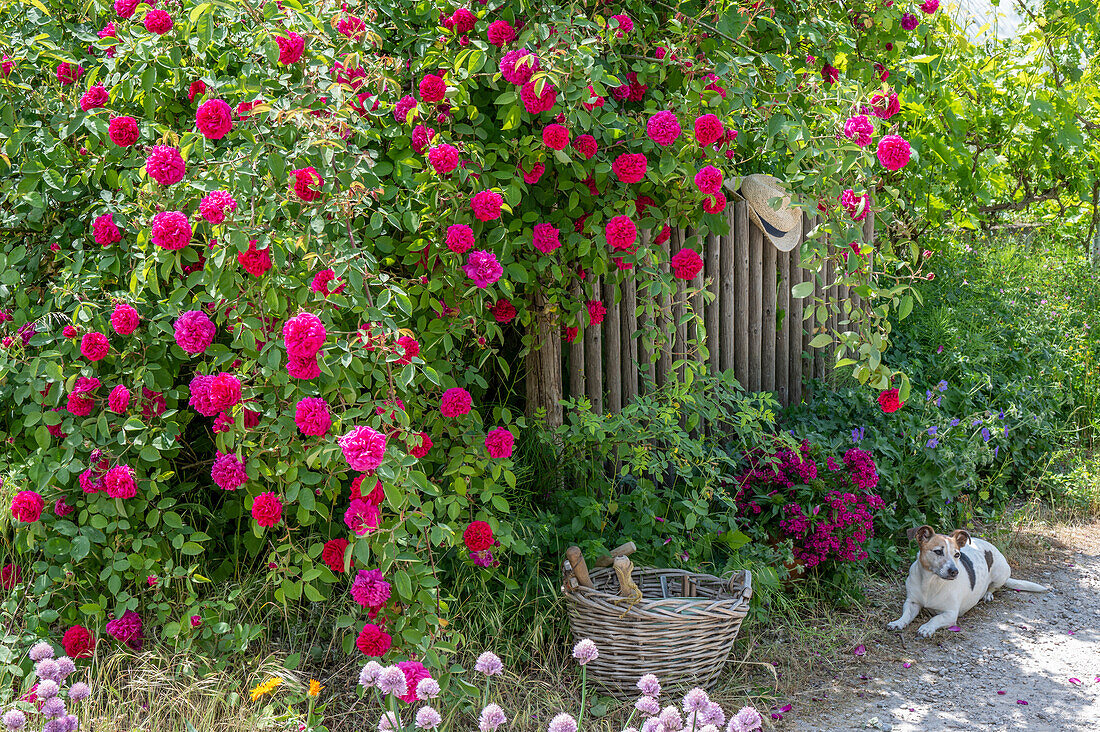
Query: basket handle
(744,579)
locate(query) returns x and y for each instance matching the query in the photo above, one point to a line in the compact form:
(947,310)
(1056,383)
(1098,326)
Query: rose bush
(352,206)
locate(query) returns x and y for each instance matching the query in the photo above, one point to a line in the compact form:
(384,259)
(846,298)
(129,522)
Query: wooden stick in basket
(620,551)
(580,569)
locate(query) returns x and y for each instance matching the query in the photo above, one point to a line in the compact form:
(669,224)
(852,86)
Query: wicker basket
(682,629)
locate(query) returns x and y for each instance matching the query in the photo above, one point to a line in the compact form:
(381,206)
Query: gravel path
(1023,662)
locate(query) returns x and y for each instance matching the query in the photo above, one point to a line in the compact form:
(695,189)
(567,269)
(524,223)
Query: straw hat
(782,226)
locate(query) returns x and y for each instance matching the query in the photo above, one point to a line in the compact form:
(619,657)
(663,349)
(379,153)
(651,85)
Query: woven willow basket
(683,638)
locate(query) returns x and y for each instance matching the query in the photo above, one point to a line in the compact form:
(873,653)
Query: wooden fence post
(593,356)
(665,325)
(544,382)
(783,328)
(630,340)
(756,293)
(613,357)
(741,307)
(767,324)
(576,353)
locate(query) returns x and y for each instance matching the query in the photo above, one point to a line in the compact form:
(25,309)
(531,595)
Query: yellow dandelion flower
(314,688)
(266,688)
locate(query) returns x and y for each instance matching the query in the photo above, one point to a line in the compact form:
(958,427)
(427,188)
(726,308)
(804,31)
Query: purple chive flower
(427,688)
(368,676)
(562,723)
(65,666)
(695,701)
(585,651)
(389,722)
(47,689)
(492,716)
(427,718)
(489,664)
(41,651)
(649,685)
(79,691)
(54,707)
(670,718)
(712,715)
(14,720)
(647,705)
(748,719)
(391,680)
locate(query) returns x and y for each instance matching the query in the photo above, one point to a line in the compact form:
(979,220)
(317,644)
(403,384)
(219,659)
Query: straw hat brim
(783,240)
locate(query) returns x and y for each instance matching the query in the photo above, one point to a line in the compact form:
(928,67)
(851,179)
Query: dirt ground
(1022,662)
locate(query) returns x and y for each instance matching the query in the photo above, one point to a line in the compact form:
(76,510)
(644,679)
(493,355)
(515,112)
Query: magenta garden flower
(214,119)
(27,506)
(124,319)
(893,152)
(621,233)
(104,230)
(303,335)
(460,238)
(444,158)
(194,332)
(171,230)
(663,128)
(370,589)
(486,205)
(482,267)
(859,130)
(165,165)
(94,346)
(290,47)
(363,448)
(267,509)
(158,21)
(630,167)
(456,401)
(312,416)
(128,629)
(119,482)
(228,472)
(119,399)
(94,98)
(213,206)
(123,131)
(709,180)
(546,238)
(499,443)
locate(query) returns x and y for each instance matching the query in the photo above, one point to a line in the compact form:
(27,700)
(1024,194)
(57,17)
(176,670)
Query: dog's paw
(988,597)
(896,625)
(925,632)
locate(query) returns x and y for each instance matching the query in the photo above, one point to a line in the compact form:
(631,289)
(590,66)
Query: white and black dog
(935,583)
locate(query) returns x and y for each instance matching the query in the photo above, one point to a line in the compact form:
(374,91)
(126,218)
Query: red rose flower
(889,401)
(478,536)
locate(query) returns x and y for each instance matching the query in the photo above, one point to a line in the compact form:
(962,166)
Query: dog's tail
(1023,585)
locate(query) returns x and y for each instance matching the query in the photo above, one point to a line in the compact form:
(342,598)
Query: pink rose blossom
(364,448)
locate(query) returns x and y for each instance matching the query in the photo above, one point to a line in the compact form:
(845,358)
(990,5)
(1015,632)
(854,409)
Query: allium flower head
(671,719)
(389,723)
(53,706)
(649,685)
(647,705)
(747,719)
(695,701)
(427,718)
(368,675)
(427,688)
(585,651)
(391,680)
(489,664)
(40,651)
(562,723)
(14,719)
(79,691)
(492,717)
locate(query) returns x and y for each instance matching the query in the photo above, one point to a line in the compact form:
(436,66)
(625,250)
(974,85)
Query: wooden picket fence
(752,325)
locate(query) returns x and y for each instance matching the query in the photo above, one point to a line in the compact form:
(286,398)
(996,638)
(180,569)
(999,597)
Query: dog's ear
(921,534)
(961,537)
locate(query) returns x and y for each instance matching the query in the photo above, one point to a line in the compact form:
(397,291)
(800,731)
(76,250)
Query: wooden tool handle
(620,551)
(580,569)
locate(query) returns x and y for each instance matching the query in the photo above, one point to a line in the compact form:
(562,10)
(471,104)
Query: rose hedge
(255,254)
